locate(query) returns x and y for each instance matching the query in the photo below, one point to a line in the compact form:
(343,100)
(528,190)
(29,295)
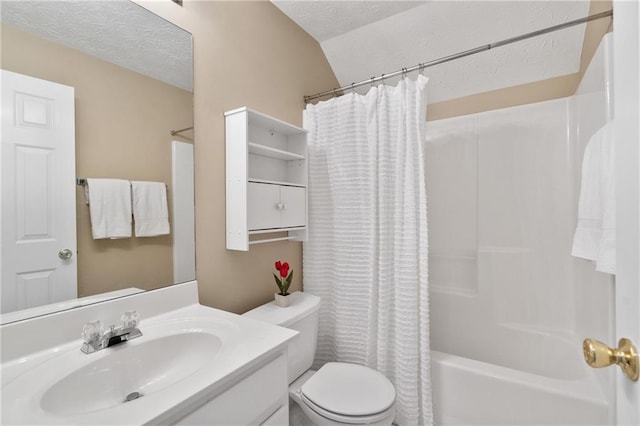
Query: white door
(626,66)
(38,216)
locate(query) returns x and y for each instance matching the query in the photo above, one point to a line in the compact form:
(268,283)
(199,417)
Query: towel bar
(83,181)
(270,240)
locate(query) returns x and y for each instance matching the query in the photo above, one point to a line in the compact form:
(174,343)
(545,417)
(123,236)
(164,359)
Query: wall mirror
(132,78)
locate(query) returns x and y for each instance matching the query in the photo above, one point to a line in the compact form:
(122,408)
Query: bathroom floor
(296,416)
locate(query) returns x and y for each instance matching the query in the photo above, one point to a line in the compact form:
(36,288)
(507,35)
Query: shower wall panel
(524,216)
(452,156)
(500,213)
(502,190)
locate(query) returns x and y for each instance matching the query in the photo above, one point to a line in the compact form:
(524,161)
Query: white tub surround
(511,304)
(192,364)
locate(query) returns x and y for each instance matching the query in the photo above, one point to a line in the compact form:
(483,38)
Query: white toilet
(338,393)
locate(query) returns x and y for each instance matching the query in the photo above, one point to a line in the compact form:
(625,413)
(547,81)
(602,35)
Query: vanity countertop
(222,347)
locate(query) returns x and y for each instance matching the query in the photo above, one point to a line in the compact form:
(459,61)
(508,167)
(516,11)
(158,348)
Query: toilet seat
(349,393)
(356,420)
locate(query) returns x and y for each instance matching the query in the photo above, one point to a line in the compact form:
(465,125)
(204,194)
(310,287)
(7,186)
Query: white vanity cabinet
(260,398)
(266,185)
(193,365)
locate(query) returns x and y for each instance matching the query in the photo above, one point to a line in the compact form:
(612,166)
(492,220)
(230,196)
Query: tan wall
(246,54)
(537,91)
(123,121)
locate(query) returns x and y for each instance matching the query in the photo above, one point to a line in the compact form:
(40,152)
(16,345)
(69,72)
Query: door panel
(34,196)
(263,201)
(35,288)
(38,192)
(294,201)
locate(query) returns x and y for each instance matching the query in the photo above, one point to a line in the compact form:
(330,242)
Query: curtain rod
(463,54)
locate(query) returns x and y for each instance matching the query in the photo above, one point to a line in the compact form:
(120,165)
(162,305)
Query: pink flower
(278,265)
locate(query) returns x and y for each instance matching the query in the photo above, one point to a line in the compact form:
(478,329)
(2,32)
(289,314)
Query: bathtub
(469,392)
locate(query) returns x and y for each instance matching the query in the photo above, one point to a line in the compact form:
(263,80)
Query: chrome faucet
(95,338)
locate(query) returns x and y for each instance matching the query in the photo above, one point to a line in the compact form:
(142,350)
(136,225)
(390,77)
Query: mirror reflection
(131,78)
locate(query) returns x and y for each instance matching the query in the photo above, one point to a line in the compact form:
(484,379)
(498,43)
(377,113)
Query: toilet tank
(301,315)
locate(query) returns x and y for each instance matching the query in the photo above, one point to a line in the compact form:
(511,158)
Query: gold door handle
(597,355)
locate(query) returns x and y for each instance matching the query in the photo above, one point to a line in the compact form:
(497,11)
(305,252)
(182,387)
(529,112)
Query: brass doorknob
(597,355)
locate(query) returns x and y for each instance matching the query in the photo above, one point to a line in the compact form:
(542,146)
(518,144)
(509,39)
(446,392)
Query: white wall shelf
(267,151)
(276,182)
(266,183)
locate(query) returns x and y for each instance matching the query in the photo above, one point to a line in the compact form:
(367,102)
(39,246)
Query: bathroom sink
(130,371)
(183,357)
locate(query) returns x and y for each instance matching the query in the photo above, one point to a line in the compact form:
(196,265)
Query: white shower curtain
(366,254)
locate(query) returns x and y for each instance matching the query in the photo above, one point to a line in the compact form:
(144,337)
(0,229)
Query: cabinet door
(294,206)
(263,205)
(249,401)
(279,418)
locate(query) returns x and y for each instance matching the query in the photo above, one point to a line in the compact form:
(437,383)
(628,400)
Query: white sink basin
(130,370)
(183,356)
(170,360)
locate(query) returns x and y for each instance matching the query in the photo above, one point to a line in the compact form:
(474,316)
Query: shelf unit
(269,152)
(266,185)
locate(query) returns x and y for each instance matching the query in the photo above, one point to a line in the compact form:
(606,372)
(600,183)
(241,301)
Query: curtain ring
(353,87)
(373,80)
(334,93)
(404,73)
(421,69)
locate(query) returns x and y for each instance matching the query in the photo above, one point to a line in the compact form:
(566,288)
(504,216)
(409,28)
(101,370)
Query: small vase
(282,301)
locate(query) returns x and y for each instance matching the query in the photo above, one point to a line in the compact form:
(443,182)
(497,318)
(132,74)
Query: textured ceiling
(328,19)
(117,31)
(362,39)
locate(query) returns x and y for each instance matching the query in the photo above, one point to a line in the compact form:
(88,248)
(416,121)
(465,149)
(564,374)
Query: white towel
(150,210)
(606,259)
(109,208)
(594,238)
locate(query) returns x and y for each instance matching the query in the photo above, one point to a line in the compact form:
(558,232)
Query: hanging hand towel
(150,208)
(606,259)
(594,238)
(109,208)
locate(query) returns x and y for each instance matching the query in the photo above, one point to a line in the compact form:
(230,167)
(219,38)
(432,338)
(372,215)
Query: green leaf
(278,283)
(287,283)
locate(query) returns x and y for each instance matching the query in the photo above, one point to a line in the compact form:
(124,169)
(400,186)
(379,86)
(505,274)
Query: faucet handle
(92,331)
(130,319)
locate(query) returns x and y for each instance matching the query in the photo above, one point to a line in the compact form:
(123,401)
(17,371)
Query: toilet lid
(349,389)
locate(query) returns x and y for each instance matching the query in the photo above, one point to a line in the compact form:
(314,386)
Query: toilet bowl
(338,393)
